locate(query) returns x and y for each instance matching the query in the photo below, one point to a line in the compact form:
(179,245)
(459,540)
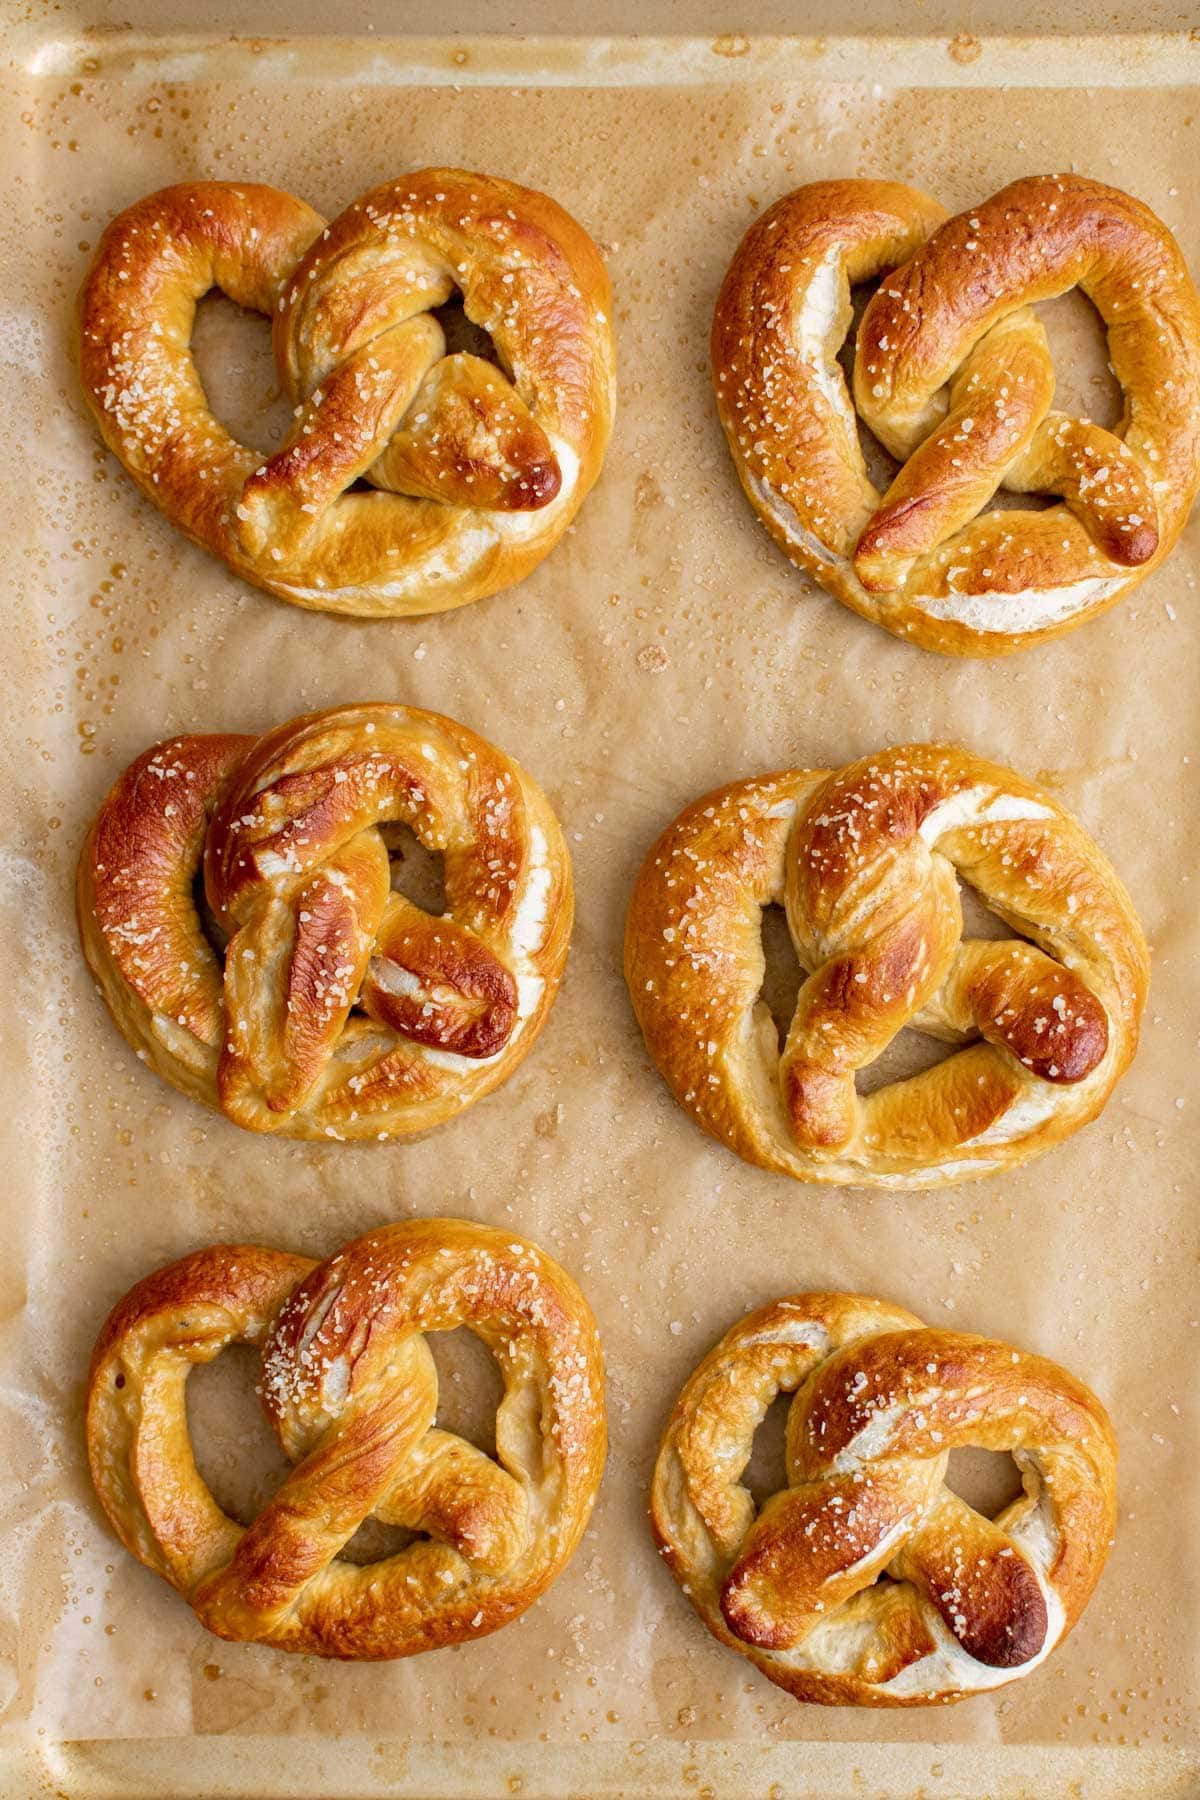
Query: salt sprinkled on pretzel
(866,860)
(952,373)
(866,1580)
(350,1386)
(315,1000)
(476,470)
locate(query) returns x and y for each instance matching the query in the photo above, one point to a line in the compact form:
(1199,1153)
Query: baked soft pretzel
(350,1386)
(866,860)
(477,470)
(952,371)
(867,1581)
(311,999)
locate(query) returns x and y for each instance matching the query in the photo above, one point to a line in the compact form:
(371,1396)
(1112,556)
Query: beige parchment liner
(663,648)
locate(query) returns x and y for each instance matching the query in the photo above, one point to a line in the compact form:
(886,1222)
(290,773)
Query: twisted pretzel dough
(351,1388)
(337,1008)
(477,470)
(952,372)
(865,860)
(965,1603)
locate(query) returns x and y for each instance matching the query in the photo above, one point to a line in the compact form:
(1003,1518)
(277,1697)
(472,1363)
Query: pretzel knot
(866,861)
(313,999)
(350,1386)
(952,373)
(476,468)
(867,1580)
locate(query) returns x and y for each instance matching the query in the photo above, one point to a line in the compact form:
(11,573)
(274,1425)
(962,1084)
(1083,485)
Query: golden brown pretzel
(969,1603)
(350,1387)
(336,1008)
(952,371)
(477,470)
(866,860)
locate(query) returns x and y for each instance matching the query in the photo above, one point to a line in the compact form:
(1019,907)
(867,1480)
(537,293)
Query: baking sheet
(663,648)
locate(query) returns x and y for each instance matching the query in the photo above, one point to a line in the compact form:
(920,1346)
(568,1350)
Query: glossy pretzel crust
(968,1603)
(477,469)
(865,860)
(349,1386)
(312,1000)
(953,374)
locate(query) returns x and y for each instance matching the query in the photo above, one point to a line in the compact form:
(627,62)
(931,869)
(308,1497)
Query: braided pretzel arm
(968,1603)
(866,862)
(477,469)
(333,1006)
(952,372)
(351,1389)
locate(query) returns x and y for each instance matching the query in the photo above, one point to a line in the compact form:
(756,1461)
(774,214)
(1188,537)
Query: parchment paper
(663,648)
